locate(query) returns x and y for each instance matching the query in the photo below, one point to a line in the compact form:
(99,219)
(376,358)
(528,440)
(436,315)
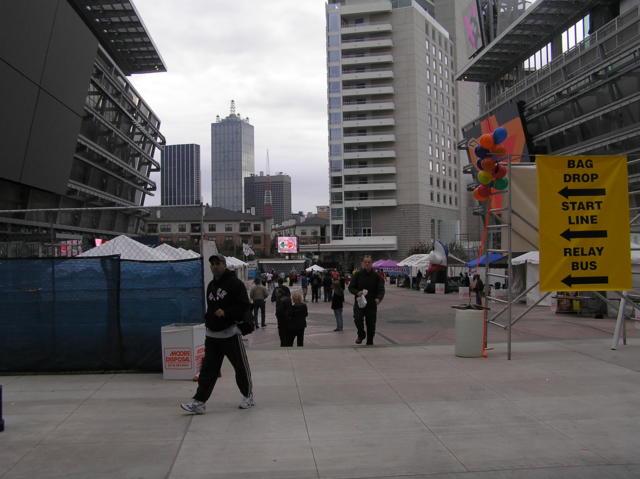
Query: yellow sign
(584,223)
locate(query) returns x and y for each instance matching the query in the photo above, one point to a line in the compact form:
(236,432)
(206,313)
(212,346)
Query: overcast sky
(268,56)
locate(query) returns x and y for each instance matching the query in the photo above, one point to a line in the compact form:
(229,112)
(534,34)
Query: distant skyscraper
(232,159)
(256,194)
(180,175)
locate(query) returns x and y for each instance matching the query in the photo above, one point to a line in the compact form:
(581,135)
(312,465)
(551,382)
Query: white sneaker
(247,402)
(194,407)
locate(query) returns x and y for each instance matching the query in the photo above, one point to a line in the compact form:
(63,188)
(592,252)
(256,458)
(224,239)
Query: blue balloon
(481,152)
(479,164)
(499,135)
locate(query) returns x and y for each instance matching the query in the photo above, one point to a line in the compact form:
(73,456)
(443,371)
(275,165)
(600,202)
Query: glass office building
(180,176)
(232,160)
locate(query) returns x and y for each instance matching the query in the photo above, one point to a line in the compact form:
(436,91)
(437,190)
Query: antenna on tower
(268,170)
(268,198)
(233,107)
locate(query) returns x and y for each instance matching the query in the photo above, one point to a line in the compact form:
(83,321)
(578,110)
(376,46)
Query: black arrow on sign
(568,234)
(571,280)
(566,192)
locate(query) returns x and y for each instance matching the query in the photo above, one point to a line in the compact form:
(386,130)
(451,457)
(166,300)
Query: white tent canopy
(417,262)
(128,249)
(175,253)
(315,267)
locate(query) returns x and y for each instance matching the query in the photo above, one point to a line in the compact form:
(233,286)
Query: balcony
(372,153)
(371,203)
(367,28)
(347,45)
(368,75)
(371,186)
(355,243)
(366,59)
(368,139)
(380,90)
(372,122)
(381,106)
(369,170)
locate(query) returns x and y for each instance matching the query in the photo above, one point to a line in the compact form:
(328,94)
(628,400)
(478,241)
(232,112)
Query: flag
(246,250)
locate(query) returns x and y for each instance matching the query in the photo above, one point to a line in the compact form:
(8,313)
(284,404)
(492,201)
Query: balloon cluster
(491,172)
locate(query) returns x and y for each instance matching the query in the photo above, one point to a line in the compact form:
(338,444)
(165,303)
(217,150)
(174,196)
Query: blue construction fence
(93,314)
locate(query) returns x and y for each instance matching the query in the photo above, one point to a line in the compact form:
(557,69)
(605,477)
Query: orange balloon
(488,164)
(499,151)
(486,141)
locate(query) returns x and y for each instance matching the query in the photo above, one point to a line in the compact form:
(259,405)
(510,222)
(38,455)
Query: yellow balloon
(484,177)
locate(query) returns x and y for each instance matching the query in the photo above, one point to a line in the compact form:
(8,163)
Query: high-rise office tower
(232,159)
(180,175)
(394,178)
(269,192)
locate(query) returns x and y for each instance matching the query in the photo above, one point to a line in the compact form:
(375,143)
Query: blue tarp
(493,257)
(90,314)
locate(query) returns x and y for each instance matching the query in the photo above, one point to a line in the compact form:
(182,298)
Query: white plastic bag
(361,300)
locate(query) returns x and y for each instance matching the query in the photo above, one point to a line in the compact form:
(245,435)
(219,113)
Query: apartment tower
(232,159)
(180,175)
(394,178)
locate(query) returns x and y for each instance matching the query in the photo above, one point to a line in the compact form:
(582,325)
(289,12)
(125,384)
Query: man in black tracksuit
(366,278)
(227,303)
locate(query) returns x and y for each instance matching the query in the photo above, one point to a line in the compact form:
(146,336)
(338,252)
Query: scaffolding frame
(502,221)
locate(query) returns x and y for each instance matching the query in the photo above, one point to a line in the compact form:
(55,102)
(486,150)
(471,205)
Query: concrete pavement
(562,408)
(559,409)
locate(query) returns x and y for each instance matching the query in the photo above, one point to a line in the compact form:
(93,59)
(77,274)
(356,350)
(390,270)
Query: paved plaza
(563,407)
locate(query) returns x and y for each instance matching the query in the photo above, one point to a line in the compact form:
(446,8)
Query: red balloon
(477,196)
(488,164)
(500,172)
(486,141)
(484,190)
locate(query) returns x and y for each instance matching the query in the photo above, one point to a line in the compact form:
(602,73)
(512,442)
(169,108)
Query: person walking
(304,283)
(315,287)
(326,286)
(477,285)
(337,302)
(258,295)
(297,321)
(227,304)
(366,282)
(283,307)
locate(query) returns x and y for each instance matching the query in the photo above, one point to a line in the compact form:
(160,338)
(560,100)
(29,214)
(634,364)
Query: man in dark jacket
(366,279)
(227,303)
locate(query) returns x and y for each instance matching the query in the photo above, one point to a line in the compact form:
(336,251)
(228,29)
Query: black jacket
(285,290)
(337,298)
(298,316)
(229,294)
(369,280)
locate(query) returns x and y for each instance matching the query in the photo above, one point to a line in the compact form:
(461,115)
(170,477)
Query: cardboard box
(182,350)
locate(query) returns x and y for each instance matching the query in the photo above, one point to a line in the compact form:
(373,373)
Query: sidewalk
(559,409)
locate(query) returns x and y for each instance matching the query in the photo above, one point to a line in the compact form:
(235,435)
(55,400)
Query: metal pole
(509,266)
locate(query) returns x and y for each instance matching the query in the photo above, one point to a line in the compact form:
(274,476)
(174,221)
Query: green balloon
(501,184)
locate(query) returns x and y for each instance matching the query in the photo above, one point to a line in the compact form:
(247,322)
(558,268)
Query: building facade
(186,226)
(180,175)
(270,195)
(394,178)
(76,134)
(311,231)
(570,71)
(232,160)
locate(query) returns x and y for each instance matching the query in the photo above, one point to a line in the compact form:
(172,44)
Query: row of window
(452,200)
(195,227)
